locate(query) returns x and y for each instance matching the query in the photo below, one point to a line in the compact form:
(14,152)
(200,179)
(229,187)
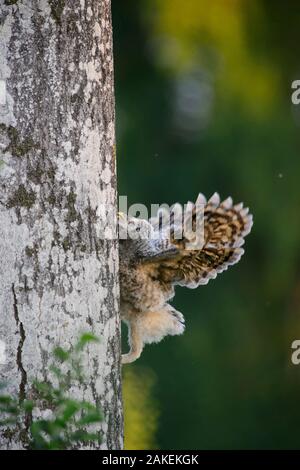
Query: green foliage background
(203,98)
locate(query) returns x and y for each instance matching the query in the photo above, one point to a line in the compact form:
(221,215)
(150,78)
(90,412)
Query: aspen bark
(58,277)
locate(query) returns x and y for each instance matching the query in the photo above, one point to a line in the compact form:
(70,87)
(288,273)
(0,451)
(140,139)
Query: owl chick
(154,259)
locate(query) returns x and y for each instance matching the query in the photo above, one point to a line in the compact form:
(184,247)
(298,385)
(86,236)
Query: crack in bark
(23,433)
(19,324)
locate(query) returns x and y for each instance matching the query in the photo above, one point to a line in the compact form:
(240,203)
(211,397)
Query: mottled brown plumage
(155,260)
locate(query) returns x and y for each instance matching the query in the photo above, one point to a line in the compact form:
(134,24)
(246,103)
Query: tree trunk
(58,275)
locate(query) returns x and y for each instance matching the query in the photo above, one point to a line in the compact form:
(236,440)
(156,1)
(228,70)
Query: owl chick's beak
(121,215)
(122,223)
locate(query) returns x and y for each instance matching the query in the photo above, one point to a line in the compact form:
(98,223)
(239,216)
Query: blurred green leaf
(56,371)
(90,418)
(61,354)
(85,339)
(70,409)
(83,436)
(28,405)
(5,422)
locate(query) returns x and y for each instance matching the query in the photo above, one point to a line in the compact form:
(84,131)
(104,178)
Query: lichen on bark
(10,2)
(57,7)
(16,146)
(21,198)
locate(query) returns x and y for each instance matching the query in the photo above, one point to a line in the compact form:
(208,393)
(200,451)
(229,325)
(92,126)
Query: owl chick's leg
(135,340)
(152,327)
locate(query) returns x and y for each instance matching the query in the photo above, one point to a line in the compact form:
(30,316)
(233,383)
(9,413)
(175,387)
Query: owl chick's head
(137,238)
(132,228)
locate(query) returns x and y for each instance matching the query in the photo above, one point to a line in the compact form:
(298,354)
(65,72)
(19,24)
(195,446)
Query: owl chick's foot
(152,327)
(178,321)
(177,315)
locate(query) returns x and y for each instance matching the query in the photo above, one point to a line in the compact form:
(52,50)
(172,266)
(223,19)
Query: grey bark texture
(58,276)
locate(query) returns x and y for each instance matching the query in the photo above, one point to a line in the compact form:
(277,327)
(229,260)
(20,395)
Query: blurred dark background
(203,102)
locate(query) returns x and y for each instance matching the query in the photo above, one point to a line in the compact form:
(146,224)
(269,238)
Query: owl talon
(121,215)
(178,315)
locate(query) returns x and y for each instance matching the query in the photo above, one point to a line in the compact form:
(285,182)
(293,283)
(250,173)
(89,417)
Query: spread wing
(224,227)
